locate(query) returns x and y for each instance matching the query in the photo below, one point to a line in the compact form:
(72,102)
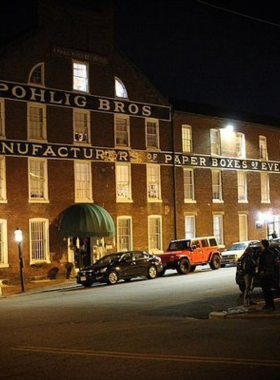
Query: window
(190,227)
(152,134)
(37,128)
(243,227)
(3,243)
(37,75)
(216,185)
(39,240)
(240,145)
(3,179)
(189,185)
(265,196)
(120,90)
(263,148)
(123,182)
(80,77)
(186,138)
(153,182)
(218,230)
(155,233)
(242,186)
(83,184)
(215,142)
(122,130)
(2,117)
(81,125)
(38,179)
(124,233)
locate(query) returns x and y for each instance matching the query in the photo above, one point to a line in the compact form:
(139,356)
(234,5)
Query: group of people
(263,265)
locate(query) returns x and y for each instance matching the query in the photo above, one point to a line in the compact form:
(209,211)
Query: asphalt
(42,286)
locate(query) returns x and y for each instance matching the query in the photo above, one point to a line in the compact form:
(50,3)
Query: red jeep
(185,254)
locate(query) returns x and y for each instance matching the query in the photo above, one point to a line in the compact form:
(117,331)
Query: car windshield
(179,245)
(108,258)
(237,247)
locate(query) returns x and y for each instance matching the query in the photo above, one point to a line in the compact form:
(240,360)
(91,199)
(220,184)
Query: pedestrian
(266,273)
(248,265)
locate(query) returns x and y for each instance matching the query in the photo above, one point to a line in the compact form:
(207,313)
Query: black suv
(239,278)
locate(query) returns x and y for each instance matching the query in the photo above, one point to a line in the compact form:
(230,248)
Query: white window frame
(189,190)
(215,141)
(122,137)
(187,142)
(81,129)
(3,183)
(242,187)
(40,126)
(265,188)
(218,228)
(83,181)
(42,180)
(120,89)
(190,227)
(41,81)
(240,145)
(263,148)
(217,187)
(123,182)
(2,117)
(42,241)
(127,243)
(155,233)
(153,183)
(152,136)
(243,226)
(3,244)
(80,82)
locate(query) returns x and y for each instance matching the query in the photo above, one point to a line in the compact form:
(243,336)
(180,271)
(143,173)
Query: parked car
(184,255)
(239,277)
(233,253)
(120,266)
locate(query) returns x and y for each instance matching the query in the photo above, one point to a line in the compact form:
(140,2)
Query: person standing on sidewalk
(248,266)
(266,273)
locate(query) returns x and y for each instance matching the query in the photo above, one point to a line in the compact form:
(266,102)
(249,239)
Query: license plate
(83,278)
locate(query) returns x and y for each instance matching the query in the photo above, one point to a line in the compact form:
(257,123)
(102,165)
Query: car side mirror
(194,247)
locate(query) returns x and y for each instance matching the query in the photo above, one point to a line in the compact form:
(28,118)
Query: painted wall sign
(58,151)
(23,92)
(77,54)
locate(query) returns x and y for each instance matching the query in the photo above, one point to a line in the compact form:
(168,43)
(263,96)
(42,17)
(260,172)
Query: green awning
(85,219)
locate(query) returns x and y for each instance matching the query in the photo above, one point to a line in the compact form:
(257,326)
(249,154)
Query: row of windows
(224,143)
(38,182)
(217,188)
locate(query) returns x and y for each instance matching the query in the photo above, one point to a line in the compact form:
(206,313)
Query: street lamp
(18,239)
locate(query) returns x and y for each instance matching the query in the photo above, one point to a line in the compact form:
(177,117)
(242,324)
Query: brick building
(92,159)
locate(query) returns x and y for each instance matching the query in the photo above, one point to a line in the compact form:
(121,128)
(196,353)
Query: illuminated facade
(79,124)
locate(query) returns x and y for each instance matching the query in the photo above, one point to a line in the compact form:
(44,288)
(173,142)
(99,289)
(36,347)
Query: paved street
(145,329)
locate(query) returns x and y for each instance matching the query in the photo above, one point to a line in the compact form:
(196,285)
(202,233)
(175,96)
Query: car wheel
(112,278)
(215,262)
(193,268)
(162,273)
(184,266)
(152,272)
(242,287)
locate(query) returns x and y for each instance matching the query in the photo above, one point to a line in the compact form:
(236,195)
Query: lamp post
(18,239)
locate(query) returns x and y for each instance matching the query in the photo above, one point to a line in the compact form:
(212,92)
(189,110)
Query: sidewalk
(37,286)
(241,312)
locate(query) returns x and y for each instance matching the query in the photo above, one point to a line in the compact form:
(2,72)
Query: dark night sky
(196,52)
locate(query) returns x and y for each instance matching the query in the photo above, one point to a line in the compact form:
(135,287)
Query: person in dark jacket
(266,273)
(248,266)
